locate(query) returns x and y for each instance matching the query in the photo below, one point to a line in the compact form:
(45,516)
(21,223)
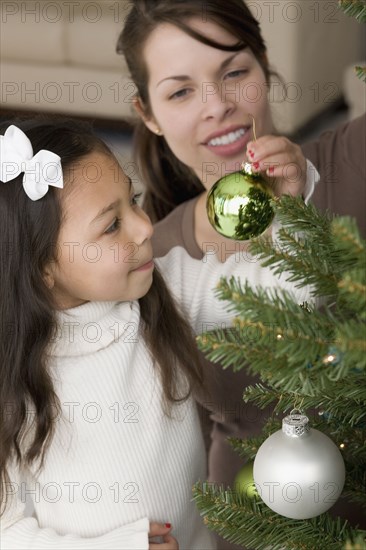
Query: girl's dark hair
(168,181)
(29,231)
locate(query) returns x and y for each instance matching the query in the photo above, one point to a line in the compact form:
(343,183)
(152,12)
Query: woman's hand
(162,530)
(282,161)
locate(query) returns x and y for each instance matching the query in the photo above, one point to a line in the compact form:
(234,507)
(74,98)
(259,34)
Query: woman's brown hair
(29,232)
(168,181)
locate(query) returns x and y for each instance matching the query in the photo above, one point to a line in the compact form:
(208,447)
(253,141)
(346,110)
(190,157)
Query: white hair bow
(40,170)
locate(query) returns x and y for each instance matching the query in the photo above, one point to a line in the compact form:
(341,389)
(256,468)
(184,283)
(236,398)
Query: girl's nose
(217,100)
(141,226)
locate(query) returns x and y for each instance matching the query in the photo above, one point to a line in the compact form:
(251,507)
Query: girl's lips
(145,267)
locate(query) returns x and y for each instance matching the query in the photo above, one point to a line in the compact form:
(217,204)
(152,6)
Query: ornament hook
(254,132)
(296,412)
(245,165)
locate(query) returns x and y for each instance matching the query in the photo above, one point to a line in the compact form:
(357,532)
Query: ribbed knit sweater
(116,461)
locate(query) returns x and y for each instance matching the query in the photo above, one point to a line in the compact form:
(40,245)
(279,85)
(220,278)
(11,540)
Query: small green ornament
(239,205)
(244,482)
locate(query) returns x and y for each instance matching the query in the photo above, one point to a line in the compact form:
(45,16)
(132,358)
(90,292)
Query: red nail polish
(168,525)
(256,165)
(271,169)
(251,153)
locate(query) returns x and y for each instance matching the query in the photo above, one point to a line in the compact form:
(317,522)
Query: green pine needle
(344,400)
(359,543)
(354,8)
(250,523)
(361,73)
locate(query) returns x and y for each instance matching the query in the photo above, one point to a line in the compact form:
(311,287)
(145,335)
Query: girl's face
(104,251)
(203,99)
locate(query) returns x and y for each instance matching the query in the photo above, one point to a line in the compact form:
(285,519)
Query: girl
(97,418)
(202,74)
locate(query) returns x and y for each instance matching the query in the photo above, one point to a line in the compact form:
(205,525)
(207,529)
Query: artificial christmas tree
(308,356)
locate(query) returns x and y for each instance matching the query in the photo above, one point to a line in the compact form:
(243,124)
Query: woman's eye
(114,227)
(237,73)
(179,94)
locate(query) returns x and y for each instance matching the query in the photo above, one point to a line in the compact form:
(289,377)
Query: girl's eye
(135,198)
(114,227)
(117,221)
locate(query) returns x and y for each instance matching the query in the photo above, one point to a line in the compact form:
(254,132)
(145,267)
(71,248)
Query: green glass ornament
(239,205)
(244,482)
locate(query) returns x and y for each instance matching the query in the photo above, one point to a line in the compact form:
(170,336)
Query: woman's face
(203,99)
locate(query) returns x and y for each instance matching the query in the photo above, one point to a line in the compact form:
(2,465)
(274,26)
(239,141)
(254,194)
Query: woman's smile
(230,141)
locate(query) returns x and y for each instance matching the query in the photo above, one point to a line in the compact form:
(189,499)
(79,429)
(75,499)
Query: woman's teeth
(227,138)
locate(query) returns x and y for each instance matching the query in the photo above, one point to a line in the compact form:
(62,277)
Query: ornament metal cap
(248,168)
(295,424)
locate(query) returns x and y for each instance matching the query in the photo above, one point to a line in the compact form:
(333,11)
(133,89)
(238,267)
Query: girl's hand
(162,530)
(282,161)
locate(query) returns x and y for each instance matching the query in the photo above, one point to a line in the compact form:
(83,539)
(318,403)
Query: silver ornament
(298,471)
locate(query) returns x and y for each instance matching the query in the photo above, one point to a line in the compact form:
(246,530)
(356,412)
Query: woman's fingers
(268,145)
(280,159)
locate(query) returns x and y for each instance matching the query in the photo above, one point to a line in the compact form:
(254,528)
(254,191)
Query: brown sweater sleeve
(340,158)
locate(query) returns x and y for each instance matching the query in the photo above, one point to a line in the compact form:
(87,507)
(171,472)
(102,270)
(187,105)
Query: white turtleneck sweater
(116,462)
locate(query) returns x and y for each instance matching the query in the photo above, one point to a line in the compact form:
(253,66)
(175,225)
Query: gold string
(254,134)
(247,163)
